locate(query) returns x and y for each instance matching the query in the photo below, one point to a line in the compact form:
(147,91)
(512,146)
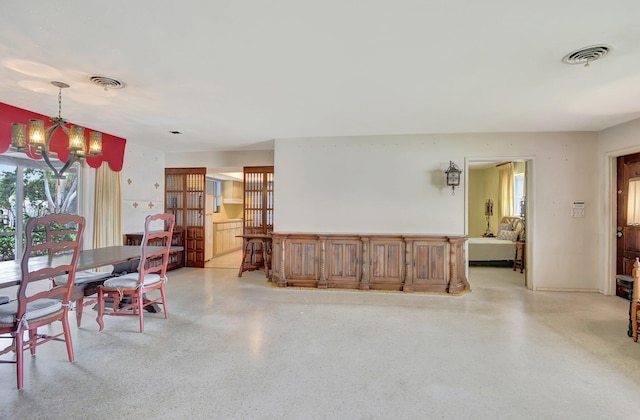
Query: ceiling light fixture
(39,138)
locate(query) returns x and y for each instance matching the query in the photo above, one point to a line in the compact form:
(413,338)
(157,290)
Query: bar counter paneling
(416,263)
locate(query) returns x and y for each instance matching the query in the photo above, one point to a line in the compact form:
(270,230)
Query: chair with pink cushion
(127,294)
(45,256)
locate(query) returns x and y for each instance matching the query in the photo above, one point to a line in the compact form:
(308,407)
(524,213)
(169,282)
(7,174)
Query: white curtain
(505,186)
(107,223)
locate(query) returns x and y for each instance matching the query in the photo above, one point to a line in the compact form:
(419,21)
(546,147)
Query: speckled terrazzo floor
(236,348)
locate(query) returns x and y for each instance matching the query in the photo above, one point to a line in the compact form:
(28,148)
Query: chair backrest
(154,259)
(52,247)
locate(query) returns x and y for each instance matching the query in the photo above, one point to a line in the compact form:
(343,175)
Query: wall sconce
(453,176)
(633,202)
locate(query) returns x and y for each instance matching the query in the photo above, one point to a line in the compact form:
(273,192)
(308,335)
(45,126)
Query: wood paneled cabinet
(378,262)
(303,253)
(343,268)
(385,268)
(176,258)
(428,269)
(185,199)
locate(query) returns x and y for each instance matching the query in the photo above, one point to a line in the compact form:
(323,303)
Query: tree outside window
(41,194)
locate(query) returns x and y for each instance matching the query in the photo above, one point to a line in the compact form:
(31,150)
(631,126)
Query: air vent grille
(106,82)
(587,54)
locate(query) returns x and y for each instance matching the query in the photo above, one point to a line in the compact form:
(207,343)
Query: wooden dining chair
(45,256)
(127,293)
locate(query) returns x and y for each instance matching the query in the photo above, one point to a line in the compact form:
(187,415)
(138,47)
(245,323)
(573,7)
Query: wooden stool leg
(245,246)
(264,258)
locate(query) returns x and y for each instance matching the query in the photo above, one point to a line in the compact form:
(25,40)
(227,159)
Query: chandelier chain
(60,102)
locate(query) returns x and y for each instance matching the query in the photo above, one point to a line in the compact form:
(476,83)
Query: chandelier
(38,141)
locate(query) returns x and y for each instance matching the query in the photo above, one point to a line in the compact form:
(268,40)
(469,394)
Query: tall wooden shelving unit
(185,198)
(258,199)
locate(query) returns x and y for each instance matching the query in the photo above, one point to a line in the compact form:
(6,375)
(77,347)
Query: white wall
(230,161)
(395,184)
(142,186)
(143,168)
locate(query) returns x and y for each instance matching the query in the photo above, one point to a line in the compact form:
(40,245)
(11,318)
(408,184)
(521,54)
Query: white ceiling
(236,74)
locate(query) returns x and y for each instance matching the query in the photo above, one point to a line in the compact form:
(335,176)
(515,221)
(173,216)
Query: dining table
(11,271)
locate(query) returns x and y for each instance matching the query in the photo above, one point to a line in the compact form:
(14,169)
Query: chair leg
(100,309)
(79,307)
(140,302)
(634,320)
(33,338)
(19,358)
(67,337)
(164,302)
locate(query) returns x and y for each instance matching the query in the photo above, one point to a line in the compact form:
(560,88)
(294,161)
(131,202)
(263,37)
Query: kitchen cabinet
(225,237)
(232,192)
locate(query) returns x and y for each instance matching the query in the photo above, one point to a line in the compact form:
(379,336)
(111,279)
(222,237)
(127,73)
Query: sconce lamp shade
(633,202)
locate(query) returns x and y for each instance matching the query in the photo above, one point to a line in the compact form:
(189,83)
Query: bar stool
(250,259)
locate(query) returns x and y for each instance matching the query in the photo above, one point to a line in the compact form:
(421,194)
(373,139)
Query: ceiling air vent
(106,82)
(587,54)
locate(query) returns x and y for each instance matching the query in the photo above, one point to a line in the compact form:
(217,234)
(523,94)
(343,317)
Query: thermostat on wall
(577,209)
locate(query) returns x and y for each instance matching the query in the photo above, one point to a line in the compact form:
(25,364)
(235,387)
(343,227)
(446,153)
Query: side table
(519,261)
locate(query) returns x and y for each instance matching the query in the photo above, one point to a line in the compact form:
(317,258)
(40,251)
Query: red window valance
(112,146)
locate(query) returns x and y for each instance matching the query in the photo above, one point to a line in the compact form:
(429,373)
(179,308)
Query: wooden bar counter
(419,263)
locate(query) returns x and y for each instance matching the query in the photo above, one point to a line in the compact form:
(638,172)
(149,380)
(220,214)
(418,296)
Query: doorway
(627,228)
(481,226)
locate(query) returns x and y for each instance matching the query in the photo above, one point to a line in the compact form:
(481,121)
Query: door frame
(530,161)
(609,250)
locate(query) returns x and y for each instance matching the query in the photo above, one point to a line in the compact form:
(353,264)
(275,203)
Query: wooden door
(185,198)
(258,199)
(628,243)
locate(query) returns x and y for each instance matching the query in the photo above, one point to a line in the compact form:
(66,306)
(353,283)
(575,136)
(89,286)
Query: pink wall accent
(112,147)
